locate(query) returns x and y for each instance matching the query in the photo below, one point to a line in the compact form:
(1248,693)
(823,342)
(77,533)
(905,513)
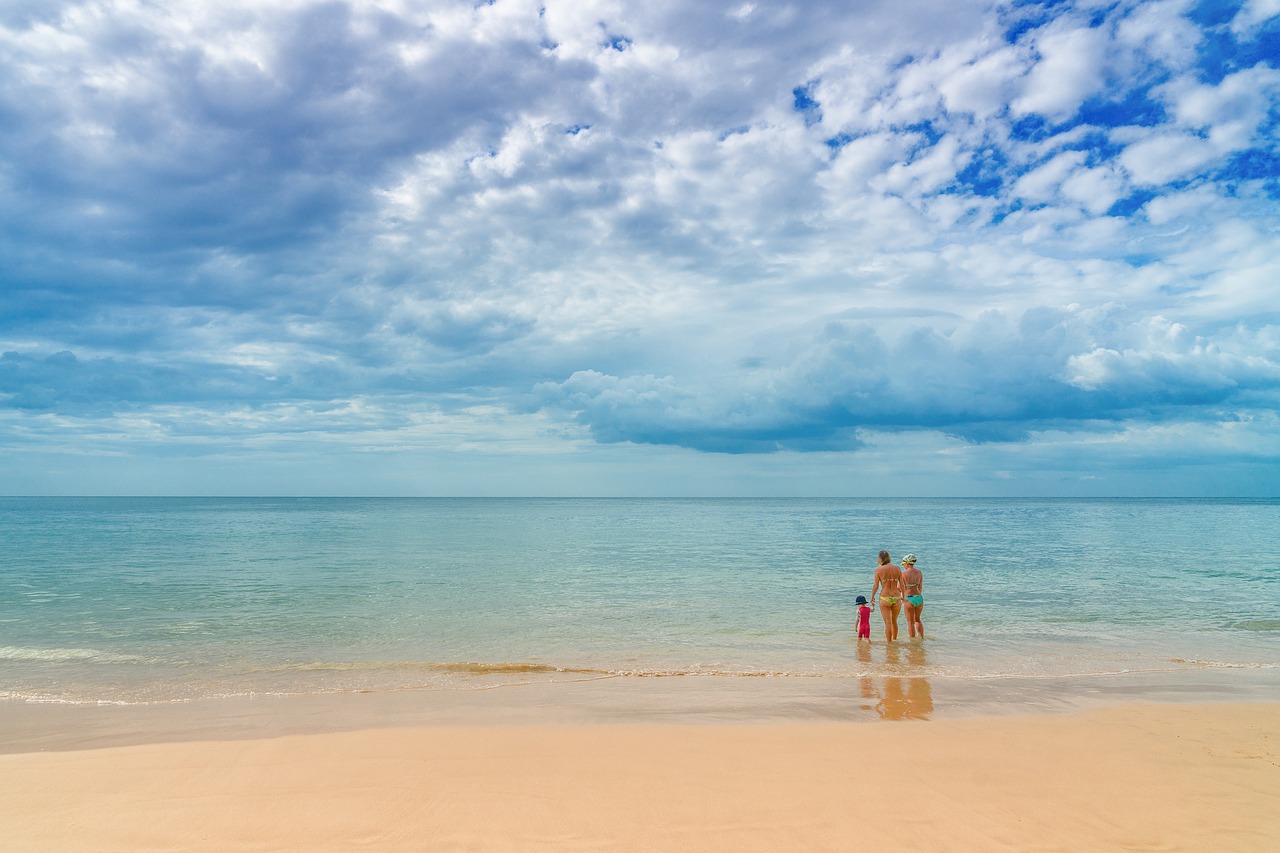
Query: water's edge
(685,700)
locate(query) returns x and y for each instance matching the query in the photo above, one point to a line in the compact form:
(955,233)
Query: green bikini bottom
(915,600)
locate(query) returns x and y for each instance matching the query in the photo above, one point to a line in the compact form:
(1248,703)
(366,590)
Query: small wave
(526,668)
(1259,625)
(459,667)
(44,699)
(512,669)
(1222,664)
(517,674)
(1052,676)
(57,655)
(464,669)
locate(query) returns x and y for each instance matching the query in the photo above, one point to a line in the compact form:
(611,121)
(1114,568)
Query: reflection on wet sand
(897,697)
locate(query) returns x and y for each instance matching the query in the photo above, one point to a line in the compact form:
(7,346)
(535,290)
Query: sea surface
(160,600)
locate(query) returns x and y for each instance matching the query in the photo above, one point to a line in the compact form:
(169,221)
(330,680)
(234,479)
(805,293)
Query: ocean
(161,600)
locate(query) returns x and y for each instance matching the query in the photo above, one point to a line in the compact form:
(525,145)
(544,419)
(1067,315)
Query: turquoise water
(161,599)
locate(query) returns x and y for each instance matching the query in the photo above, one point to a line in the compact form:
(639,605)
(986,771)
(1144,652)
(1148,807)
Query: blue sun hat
(862,599)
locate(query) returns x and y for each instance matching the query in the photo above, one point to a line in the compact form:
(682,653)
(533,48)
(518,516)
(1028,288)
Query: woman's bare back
(890,580)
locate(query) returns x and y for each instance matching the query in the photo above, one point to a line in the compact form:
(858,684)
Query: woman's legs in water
(889,612)
(914,624)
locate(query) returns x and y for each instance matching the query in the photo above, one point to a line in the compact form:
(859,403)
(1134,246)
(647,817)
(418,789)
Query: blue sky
(665,248)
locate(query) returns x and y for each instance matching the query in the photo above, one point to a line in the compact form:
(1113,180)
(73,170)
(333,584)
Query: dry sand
(1141,777)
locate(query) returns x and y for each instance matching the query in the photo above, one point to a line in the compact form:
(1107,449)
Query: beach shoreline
(567,700)
(1169,775)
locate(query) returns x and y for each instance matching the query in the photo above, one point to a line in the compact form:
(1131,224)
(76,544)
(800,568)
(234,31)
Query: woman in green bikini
(889,584)
(913,582)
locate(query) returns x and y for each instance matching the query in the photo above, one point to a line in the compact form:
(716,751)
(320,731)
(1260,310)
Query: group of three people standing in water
(901,588)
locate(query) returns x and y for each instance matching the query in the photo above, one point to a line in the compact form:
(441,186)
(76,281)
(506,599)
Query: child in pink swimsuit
(864,618)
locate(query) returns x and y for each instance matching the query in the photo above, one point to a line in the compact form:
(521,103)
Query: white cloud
(1096,190)
(931,171)
(1175,206)
(1252,14)
(1070,69)
(1042,183)
(1168,358)
(1162,158)
(982,85)
(1231,112)
(1159,31)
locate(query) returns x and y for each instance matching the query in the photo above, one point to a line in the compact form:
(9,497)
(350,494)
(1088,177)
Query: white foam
(30,654)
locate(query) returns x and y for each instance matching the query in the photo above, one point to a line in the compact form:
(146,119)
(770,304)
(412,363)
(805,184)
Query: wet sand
(30,727)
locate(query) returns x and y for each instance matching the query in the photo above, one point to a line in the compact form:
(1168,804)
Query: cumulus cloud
(1156,160)
(1070,68)
(1252,14)
(998,377)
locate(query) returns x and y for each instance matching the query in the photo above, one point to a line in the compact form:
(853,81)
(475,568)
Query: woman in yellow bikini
(889,584)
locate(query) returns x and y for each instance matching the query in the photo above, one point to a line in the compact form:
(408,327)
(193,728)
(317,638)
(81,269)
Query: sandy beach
(1138,776)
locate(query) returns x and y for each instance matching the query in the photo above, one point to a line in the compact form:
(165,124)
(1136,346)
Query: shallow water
(162,599)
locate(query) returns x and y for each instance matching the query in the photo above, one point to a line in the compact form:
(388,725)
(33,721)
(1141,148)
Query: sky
(598,248)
